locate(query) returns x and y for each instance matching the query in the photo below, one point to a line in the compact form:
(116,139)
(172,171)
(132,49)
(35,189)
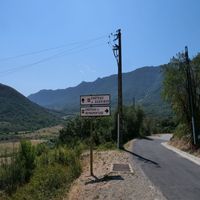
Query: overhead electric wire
(52,48)
(61,54)
(78,46)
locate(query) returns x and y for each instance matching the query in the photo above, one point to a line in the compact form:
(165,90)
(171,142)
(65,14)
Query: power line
(52,48)
(61,54)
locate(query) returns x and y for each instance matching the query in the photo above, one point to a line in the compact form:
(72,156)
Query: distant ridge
(18,113)
(143,84)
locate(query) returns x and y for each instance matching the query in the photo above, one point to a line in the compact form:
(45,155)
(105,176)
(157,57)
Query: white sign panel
(95,111)
(95,99)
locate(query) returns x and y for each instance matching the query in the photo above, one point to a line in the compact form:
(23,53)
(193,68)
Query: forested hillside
(142,85)
(19,113)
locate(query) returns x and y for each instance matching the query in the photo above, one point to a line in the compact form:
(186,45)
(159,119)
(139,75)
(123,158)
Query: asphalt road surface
(176,177)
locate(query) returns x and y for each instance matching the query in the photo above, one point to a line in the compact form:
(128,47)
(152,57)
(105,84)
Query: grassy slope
(19,113)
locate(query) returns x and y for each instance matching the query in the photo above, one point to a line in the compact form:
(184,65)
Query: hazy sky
(50,44)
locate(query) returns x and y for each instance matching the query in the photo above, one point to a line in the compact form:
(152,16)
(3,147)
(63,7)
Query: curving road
(176,177)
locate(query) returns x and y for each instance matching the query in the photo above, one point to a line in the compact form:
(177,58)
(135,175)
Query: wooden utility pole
(91,149)
(190,95)
(117,50)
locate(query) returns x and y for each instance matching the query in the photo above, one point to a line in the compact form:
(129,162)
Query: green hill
(17,113)
(143,84)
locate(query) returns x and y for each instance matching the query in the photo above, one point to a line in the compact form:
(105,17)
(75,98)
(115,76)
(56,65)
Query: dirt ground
(184,145)
(107,184)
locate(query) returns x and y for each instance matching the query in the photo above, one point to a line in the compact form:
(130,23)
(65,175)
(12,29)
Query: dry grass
(129,144)
(10,147)
(44,132)
(184,145)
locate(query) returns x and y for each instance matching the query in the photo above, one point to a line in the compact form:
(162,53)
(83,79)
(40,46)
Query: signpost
(95,99)
(94,106)
(95,111)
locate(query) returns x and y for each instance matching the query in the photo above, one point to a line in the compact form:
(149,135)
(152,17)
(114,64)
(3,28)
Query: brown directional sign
(95,111)
(95,99)
(94,106)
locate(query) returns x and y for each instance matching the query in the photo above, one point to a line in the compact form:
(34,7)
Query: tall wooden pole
(117,50)
(91,149)
(120,103)
(190,95)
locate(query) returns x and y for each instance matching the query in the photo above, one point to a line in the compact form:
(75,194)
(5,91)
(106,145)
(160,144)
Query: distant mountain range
(142,85)
(18,113)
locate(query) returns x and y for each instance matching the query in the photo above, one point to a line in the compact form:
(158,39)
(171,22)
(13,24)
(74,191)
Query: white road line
(188,156)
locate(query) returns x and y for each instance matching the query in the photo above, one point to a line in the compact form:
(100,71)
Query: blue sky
(152,32)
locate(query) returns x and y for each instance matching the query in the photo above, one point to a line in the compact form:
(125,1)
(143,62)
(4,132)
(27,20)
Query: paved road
(177,177)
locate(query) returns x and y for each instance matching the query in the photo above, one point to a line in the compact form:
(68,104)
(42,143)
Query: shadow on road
(142,158)
(145,138)
(105,178)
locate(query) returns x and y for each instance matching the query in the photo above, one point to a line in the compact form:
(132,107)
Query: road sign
(95,111)
(94,106)
(103,99)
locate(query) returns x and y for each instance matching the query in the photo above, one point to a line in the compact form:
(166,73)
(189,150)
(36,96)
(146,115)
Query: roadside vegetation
(135,124)
(39,172)
(46,170)
(176,93)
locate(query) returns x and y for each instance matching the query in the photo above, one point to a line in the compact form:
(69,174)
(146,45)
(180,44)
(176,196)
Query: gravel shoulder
(112,185)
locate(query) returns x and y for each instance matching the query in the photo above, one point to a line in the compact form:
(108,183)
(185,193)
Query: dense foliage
(38,173)
(104,130)
(18,169)
(45,172)
(78,130)
(176,91)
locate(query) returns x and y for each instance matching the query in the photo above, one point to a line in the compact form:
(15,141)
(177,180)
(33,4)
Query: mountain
(18,113)
(143,84)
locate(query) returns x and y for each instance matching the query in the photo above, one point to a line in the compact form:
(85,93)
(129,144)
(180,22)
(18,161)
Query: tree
(175,91)
(78,129)
(132,122)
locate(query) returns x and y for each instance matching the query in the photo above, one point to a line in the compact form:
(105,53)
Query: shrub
(18,169)
(182,130)
(26,158)
(41,148)
(51,178)
(78,129)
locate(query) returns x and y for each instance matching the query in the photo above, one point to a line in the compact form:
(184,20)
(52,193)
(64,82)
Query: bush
(132,123)
(182,130)
(148,127)
(18,169)
(51,178)
(104,129)
(107,145)
(47,183)
(41,148)
(78,129)
(26,158)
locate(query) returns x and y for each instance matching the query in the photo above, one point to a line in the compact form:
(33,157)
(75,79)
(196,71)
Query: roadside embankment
(111,184)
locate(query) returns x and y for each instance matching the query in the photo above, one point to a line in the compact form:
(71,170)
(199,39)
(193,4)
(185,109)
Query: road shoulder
(113,185)
(188,156)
